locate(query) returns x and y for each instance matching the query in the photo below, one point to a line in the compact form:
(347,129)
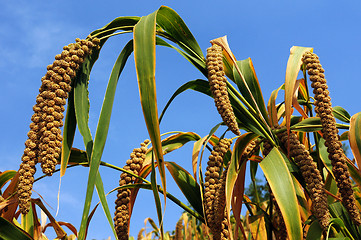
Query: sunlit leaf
(341,114)
(314,232)
(187,184)
(272,108)
(354,137)
(68,134)
(280,181)
(175,27)
(100,138)
(58,229)
(295,103)
(6,176)
(293,68)
(254,96)
(197,85)
(9,231)
(236,176)
(144,56)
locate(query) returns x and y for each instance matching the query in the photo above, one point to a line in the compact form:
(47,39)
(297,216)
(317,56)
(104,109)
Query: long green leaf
(68,134)
(293,68)
(198,85)
(158,204)
(175,27)
(280,181)
(249,74)
(198,63)
(120,23)
(6,176)
(9,231)
(341,114)
(144,56)
(101,134)
(187,184)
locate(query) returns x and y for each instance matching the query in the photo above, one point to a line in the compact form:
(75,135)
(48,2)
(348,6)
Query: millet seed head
(121,215)
(218,85)
(323,108)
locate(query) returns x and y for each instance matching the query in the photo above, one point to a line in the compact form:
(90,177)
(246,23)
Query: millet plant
(314,187)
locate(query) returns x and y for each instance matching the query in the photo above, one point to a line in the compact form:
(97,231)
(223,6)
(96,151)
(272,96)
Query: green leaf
(254,96)
(175,27)
(311,124)
(341,114)
(280,181)
(120,23)
(236,176)
(101,134)
(158,204)
(337,210)
(68,134)
(6,176)
(198,63)
(198,85)
(293,68)
(144,56)
(314,232)
(354,137)
(9,231)
(187,184)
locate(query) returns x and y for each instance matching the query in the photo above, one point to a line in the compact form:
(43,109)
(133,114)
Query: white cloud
(31,34)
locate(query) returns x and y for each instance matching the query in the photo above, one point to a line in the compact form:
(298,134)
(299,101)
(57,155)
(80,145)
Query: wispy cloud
(30,34)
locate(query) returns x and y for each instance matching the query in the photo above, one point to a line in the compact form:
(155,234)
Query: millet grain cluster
(44,138)
(310,174)
(211,186)
(218,84)
(179,230)
(121,215)
(323,108)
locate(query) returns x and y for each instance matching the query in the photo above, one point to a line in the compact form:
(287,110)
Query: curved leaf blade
(236,177)
(187,184)
(68,134)
(293,68)
(144,56)
(254,96)
(341,114)
(101,135)
(6,176)
(9,231)
(281,184)
(354,137)
(173,24)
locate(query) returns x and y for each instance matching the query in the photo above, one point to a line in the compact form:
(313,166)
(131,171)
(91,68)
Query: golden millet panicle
(323,108)
(44,137)
(121,215)
(310,174)
(211,184)
(278,221)
(218,84)
(56,85)
(179,230)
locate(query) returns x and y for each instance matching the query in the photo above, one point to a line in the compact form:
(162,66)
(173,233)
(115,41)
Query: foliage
(287,211)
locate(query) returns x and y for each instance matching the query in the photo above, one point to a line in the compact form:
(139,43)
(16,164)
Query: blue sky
(32,33)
